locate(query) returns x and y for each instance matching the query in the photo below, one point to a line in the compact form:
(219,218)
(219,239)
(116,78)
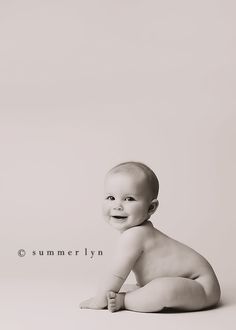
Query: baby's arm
(128,250)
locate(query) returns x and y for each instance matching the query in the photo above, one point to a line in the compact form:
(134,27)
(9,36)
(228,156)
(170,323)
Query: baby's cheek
(142,211)
(104,209)
(137,211)
(105,213)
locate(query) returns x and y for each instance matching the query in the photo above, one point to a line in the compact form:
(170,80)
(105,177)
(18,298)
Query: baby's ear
(153,206)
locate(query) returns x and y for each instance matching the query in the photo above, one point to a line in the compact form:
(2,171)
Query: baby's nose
(118,207)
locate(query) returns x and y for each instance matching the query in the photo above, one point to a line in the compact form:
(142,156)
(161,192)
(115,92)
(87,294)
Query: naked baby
(169,274)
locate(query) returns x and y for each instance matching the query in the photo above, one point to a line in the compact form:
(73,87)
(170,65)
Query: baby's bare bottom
(173,292)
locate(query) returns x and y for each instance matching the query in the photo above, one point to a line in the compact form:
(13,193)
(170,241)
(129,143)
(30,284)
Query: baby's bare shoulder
(136,235)
(131,234)
(130,243)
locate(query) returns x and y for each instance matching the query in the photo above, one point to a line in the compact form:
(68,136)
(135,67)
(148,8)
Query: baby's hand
(94,303)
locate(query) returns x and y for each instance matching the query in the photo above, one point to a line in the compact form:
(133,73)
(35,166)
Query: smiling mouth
(119,217)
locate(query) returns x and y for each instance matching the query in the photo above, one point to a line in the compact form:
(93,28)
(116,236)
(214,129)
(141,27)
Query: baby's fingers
(85,303)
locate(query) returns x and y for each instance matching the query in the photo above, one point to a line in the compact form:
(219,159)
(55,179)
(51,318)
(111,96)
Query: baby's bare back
(163,256)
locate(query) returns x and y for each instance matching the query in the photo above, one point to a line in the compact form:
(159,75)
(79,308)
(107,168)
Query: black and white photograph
(117,168)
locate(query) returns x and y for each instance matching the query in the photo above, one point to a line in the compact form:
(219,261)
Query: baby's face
(126,200)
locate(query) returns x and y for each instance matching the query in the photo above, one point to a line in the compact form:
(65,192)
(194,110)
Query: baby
(169,274)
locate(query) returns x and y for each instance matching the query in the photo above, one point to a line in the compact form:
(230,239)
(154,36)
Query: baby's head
(131,191)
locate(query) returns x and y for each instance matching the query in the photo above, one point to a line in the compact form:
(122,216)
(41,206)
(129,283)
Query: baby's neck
(145,223)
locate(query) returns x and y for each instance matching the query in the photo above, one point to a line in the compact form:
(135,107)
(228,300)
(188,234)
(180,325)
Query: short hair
(151,177)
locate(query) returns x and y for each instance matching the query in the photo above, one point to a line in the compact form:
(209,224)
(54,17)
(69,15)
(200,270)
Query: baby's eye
(129,199)
(110,198)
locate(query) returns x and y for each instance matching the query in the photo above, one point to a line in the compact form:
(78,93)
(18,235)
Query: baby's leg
(129,287)
(175,292)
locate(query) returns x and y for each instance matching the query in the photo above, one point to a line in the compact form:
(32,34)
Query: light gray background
(85,85)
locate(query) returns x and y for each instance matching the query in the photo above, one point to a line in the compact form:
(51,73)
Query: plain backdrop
(85,85)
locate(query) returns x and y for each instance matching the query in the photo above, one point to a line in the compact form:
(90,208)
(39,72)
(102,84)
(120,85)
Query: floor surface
(49,304)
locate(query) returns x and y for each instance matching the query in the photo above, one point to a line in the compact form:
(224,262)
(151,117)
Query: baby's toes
(112,306)
(85,304)
(111,301)
(111,295)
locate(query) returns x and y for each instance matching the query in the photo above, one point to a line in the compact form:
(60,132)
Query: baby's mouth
(118,217)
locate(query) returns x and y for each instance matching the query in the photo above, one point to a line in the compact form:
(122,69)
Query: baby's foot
(115,301)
